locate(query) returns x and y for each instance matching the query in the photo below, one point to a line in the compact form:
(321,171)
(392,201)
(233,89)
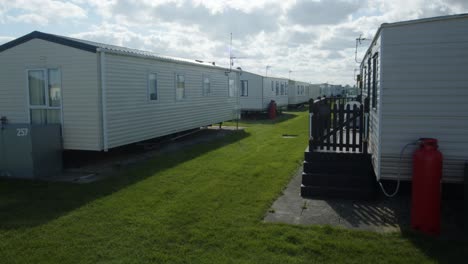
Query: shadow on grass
(384,213)
(26,203)
(261,118)
(444,250)
(302,108)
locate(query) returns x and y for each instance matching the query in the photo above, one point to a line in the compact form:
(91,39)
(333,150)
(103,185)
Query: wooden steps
(338,175)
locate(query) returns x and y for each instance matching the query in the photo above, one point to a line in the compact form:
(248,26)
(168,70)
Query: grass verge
(203,204)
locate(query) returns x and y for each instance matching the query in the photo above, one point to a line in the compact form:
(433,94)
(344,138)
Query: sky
(311,40)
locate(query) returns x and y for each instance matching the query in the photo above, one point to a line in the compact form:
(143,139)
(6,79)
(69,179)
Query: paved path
(380,215)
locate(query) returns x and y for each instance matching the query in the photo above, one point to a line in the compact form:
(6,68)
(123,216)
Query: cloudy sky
(315,39)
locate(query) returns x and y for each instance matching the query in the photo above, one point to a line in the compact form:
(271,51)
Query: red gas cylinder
(427,174)
(272,109)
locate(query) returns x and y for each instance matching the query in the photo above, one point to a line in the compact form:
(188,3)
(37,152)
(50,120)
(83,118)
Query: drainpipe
(103,98)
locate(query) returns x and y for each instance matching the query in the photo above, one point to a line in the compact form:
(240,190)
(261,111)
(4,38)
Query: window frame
(46,106)
(206,76)
(176,86)
(282,88)
(375,61)
(242,88)
(369,77)
(277,88)
(148,95)
(235,91)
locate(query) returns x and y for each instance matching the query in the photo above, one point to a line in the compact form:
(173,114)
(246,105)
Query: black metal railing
(337,124)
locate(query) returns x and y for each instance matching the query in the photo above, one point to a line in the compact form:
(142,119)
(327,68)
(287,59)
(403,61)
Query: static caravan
(298,93)
(314,91)
(106,96)
(415,74)
(330,90)
(257,91)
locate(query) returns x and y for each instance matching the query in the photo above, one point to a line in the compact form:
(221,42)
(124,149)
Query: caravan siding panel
(132,117)
(298,92)
(80,89)
(269,94)
(374,143)
(252,102)
(314,91)
(425,93)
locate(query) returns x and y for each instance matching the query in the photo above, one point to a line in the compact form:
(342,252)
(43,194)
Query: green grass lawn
(203,204)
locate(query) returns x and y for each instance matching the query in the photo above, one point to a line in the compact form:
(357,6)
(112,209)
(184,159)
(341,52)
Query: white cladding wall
(131,117)
(270,93)
(425,77)
(314,91)
(293,96)
(80,89)
(253,100)
(374,143)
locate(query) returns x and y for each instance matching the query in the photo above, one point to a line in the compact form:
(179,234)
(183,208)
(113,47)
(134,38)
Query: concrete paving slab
(380,215)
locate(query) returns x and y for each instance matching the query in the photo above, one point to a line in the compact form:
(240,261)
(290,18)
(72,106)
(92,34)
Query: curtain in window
(36,81)
(55,88)
(180,88)
(45,116)
(153,87)
(53,117)
(231,88)
(206,85)
(38,116)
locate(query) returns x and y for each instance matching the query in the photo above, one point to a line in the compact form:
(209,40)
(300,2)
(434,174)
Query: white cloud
(322,12)
(41,11)
(29,18)
(315,38)
(4,39)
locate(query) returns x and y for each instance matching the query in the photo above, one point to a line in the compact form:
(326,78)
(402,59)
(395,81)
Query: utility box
(30,151)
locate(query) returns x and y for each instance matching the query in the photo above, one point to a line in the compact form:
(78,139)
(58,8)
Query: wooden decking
(336,163)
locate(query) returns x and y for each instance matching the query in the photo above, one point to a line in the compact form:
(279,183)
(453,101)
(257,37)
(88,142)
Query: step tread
(334,192)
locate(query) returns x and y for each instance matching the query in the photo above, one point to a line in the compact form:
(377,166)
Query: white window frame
(46,94)
(149,88)
(242,88)
(277,90)
(175,87)
(282,88)
(204,76)
(234,87)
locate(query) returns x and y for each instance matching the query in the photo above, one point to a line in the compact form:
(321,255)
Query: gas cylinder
(426,187)
(272,109)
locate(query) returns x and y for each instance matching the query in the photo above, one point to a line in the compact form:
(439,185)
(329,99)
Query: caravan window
(375,76)
(45,99)
(368,76)
(272,86)
(282,88)
(152,87)
(286,88)
(277,88)
(180,86)
(298,90)
(364,79)
(244,88)
(232,87)
(206,85)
